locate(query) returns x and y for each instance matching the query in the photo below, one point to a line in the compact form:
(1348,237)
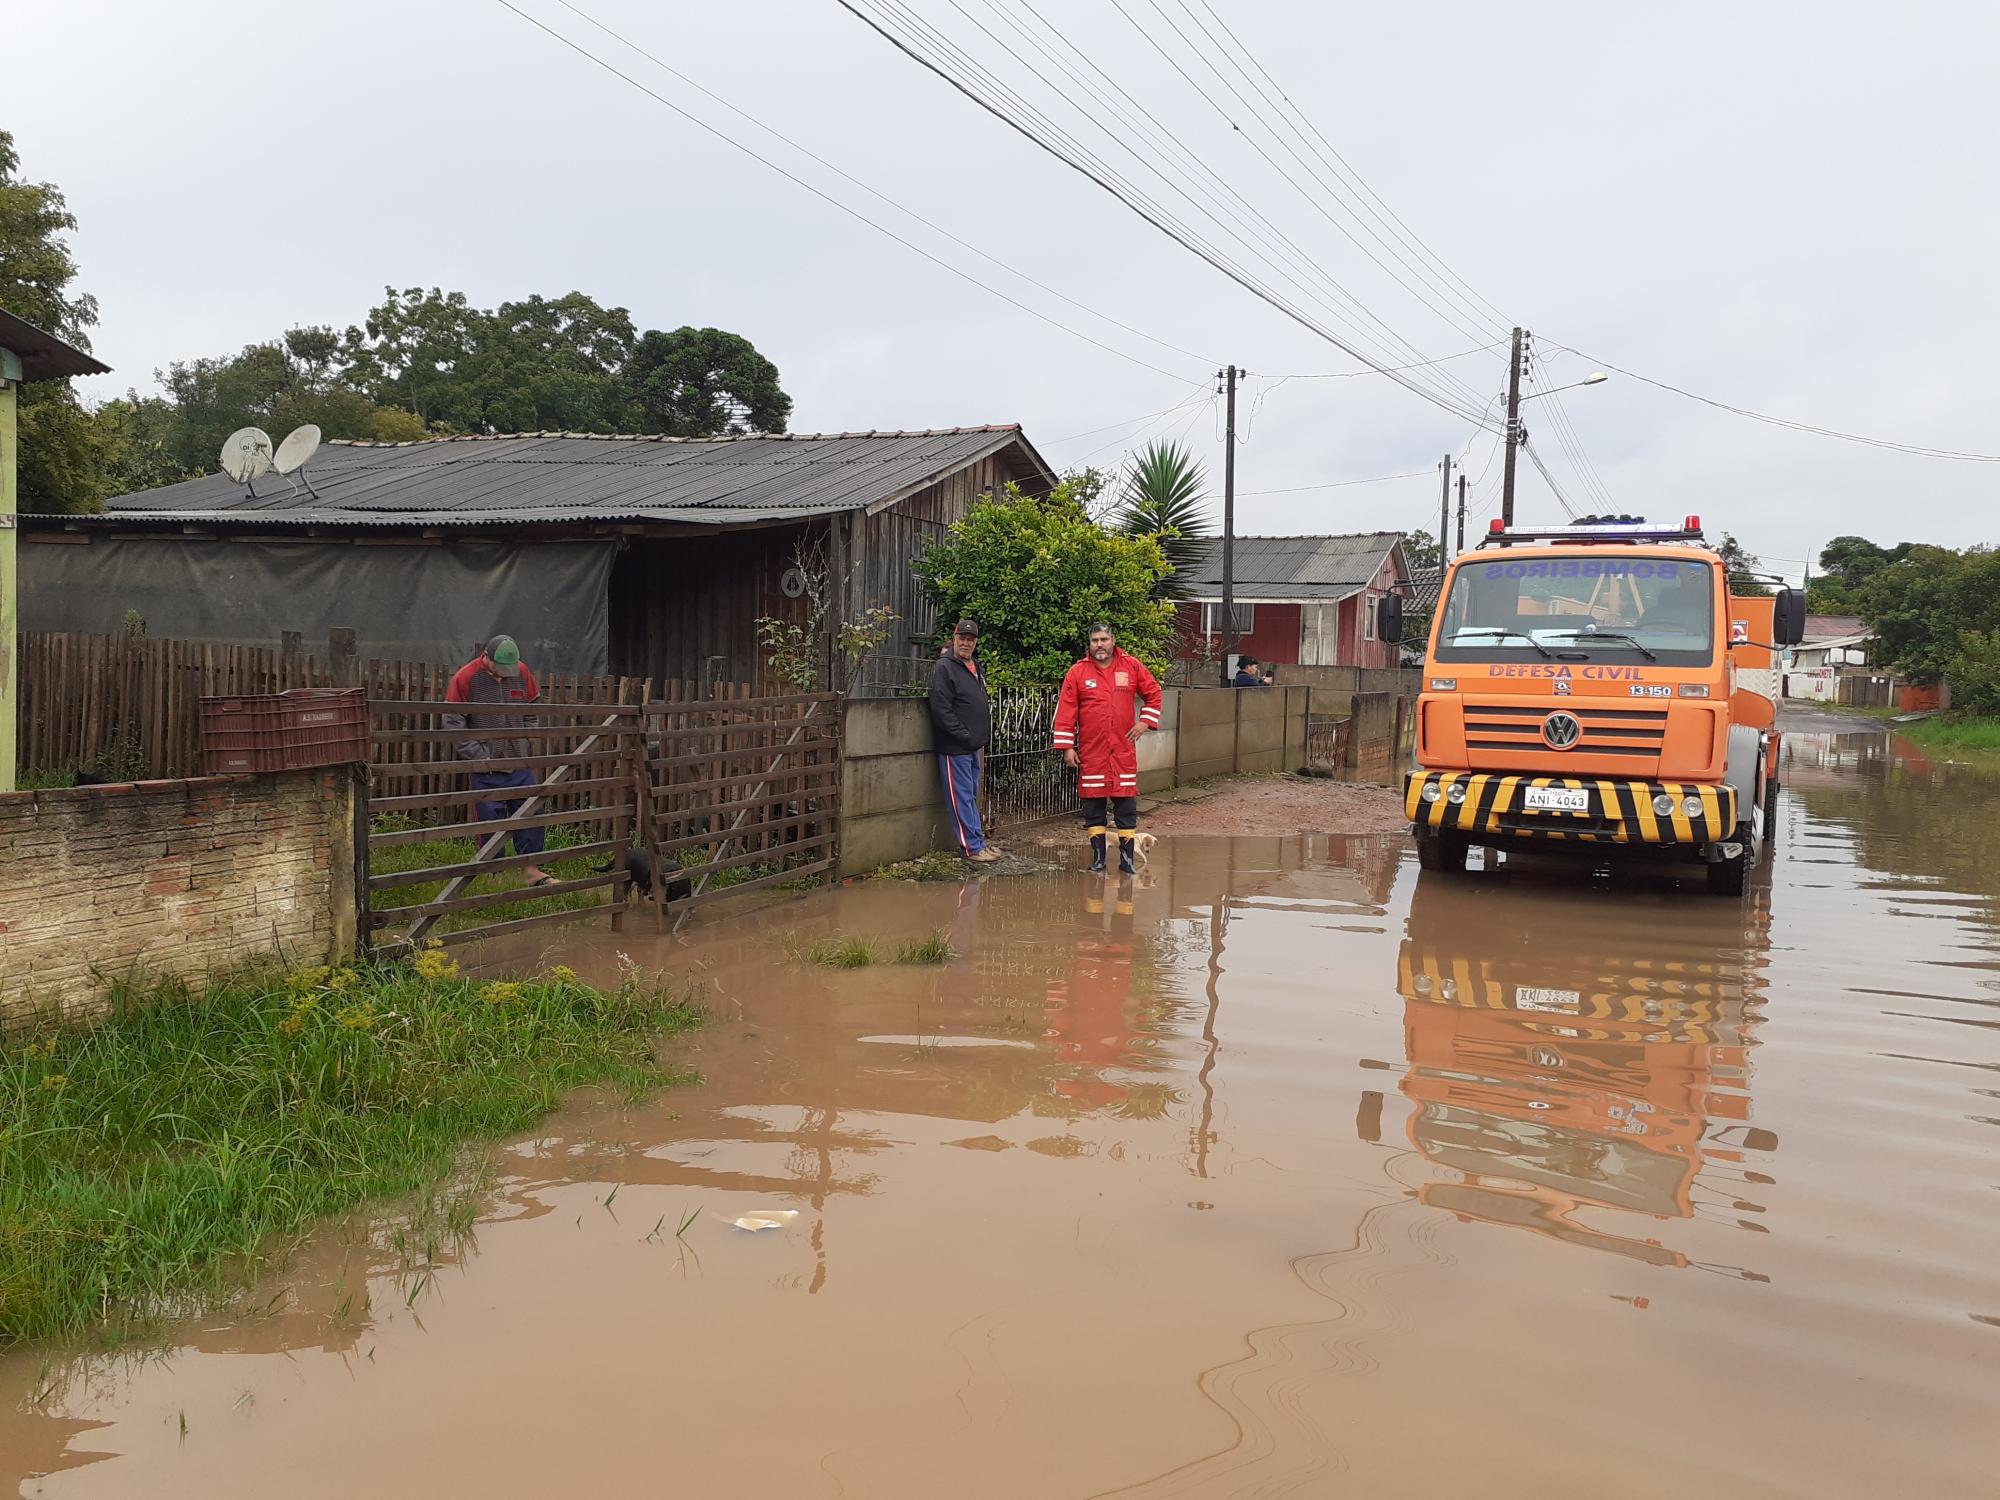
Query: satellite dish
(792,584)
(293,452)
(246,453)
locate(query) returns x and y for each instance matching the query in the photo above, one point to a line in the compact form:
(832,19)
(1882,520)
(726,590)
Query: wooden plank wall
(679,604)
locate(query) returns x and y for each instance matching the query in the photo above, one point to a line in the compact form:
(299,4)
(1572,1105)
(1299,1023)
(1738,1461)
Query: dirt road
(1260,805)
(1280,1170)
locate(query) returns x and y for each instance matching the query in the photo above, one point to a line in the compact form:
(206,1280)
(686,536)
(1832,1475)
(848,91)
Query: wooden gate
(741,794)
(587,760)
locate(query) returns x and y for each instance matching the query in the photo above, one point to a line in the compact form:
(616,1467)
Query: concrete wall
(891,800)
(1159,750)
(182,879)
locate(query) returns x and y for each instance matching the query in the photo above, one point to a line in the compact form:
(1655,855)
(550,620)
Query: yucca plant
(1163,497)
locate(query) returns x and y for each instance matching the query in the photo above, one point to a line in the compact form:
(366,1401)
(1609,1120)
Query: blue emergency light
(1596,529)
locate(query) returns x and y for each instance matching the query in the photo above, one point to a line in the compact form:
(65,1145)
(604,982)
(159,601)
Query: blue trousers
(526,840)
(961,795)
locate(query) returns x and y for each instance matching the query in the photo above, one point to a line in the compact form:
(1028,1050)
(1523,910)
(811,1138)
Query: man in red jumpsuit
(1108,700)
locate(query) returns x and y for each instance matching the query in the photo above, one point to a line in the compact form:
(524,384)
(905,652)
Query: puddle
(1277,1170)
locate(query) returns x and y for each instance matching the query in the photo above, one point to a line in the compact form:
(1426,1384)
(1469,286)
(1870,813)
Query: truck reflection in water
(1568,1055)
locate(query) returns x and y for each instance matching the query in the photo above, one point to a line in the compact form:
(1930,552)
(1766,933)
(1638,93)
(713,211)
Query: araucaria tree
(1037,573)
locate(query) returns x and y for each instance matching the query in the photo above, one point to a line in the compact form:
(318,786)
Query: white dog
(1142,847)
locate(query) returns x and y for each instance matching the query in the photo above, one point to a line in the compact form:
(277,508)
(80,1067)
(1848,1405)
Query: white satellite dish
(300,445)
(246,453)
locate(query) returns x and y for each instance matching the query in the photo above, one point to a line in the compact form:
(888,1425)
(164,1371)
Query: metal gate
(1026,781)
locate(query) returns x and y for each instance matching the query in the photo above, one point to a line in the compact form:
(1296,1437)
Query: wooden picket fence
(128,707)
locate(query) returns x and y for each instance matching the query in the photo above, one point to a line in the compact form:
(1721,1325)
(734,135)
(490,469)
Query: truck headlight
(1431,792)
(1444,684)
(1456,794)
(1691,806)
(1663,805)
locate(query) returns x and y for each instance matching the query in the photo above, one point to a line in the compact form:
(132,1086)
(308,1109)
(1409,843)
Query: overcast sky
(1787,207)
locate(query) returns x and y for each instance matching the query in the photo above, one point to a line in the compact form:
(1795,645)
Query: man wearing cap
(1107,701)
(961,725)
(498,676)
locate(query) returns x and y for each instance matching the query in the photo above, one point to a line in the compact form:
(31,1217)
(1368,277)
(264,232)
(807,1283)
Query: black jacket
(961,718)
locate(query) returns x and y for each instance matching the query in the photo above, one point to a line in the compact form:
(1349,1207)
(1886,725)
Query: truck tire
(1731,877)
(1442,851)
(1770,809)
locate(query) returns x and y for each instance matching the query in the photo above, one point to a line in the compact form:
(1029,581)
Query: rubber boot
(1125,865)
(1097,854)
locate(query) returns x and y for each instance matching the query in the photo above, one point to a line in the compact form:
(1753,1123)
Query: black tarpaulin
(429,602)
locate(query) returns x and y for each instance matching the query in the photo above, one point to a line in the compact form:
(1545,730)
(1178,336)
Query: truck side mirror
(1389,618)
(1788,618)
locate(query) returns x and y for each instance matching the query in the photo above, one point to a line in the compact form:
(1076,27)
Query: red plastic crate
(291,731)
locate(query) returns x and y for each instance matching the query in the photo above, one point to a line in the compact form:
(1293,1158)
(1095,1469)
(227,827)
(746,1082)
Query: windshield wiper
(1496,630)
(1611,635)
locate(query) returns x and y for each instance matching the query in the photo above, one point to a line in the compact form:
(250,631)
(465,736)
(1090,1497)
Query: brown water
(1283,1173)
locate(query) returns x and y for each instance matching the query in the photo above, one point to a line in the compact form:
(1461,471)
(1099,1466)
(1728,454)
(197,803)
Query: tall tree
(61,462)
(703,382)
(1421,550)
(1741,565)
(1163,498)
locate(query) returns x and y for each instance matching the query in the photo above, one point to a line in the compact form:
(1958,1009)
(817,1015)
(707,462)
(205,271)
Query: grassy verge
(149,1165)
(1980,732)
(851,951)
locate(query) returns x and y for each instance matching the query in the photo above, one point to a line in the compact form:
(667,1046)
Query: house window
(1245,616)
(1368,616)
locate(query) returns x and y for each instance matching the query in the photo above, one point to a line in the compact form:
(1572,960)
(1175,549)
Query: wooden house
(638,556)
(1299,600)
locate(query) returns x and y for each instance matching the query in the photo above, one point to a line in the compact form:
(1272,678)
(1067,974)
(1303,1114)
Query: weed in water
(193,1134)
(692,1215)
(839,952)
(933,948)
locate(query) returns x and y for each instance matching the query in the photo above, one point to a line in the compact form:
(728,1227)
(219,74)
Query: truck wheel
(1770,809)
(1442,851)
(1731,877)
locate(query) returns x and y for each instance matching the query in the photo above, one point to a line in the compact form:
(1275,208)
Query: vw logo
(1561,731)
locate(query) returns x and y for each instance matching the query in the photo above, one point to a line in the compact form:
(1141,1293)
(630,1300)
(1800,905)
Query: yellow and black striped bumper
(1620,812)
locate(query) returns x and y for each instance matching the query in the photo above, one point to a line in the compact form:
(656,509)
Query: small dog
(1142,847)
(639,865)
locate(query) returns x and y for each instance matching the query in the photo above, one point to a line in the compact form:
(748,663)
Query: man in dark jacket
(503,688)
(961,724)
(1246,673)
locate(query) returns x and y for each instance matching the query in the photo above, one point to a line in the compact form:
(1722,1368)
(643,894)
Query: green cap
(505,655)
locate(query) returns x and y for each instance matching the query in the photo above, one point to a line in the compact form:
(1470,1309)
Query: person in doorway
(1247,674)
(961,725)
(1108,700)
(498,677)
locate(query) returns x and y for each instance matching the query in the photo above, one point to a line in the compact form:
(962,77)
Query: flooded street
(1277,1171)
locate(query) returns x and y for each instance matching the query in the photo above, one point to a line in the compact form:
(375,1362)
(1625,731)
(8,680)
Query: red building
(1300,600)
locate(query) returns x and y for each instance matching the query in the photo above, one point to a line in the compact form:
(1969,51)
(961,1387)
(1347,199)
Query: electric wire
(1160,221)
(821,194)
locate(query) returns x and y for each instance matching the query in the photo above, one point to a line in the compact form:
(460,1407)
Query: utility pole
(1229,528)
(1444,516)
(1461,513)
(1513,432)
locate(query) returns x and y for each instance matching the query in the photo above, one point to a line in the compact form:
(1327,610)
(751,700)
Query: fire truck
(1597,689)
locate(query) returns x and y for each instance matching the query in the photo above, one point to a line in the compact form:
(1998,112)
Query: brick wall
(184,878)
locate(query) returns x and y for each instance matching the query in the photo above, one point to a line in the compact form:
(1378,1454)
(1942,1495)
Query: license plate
(1556,799)
(1534,999)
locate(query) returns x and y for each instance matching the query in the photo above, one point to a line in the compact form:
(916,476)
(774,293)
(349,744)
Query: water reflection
(1590,1057)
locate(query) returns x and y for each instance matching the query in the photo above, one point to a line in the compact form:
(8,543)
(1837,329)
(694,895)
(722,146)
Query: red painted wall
(1273,635)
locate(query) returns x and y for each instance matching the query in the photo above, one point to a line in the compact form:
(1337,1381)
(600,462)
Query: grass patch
(843,951)
(936,865)
(397,858)
(150,1165)
(1980,732)
(932,948)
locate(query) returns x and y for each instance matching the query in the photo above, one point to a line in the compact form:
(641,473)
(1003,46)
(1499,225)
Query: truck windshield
(1582,606)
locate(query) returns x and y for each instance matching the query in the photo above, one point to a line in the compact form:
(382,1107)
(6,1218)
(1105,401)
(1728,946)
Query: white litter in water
(769,1218)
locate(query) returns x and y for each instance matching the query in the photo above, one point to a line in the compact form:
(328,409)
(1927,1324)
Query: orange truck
(1597,689)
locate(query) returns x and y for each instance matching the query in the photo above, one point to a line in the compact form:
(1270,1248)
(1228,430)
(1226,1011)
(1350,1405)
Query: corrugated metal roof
(1290,567)
(44,356)
(539,478)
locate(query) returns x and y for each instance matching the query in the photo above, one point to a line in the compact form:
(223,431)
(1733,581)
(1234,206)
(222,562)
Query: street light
(1596,378)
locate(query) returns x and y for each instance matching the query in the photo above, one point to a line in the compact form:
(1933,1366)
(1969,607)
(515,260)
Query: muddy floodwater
(1279,1170)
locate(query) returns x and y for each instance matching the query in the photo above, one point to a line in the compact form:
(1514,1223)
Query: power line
(1338,484)
(854,213)
(1917,449)
(1561,498)
(1157,219)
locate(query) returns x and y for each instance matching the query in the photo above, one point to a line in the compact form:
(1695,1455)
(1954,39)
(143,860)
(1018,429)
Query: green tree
(703,382)
(1421,550)
(60,467)
(1925,605)
(1036,574)
(1163,498)
(1741,566)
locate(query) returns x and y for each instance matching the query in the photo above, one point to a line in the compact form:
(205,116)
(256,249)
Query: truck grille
(1606,731)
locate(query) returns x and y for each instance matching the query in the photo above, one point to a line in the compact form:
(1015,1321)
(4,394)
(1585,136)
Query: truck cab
(1598,689)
